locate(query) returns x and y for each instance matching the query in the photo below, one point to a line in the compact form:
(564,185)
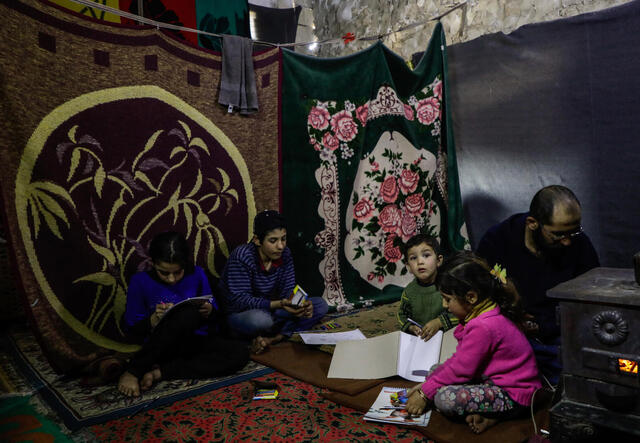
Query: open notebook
(396,353)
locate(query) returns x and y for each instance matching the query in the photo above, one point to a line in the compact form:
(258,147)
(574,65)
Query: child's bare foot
(277,339)
(479,424)
(150,378)
(128,385)
(259,344)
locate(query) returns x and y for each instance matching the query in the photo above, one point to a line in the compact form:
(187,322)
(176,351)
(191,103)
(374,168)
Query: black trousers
(180,353)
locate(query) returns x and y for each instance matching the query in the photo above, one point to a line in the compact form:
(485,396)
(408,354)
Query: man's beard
(552,252)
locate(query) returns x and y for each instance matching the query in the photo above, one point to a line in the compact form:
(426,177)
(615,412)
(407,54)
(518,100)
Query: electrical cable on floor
(533,418)
(543,432)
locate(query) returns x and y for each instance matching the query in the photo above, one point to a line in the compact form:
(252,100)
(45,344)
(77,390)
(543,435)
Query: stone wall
(333,18)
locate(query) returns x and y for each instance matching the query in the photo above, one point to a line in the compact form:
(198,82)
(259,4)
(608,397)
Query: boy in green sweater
(421,301)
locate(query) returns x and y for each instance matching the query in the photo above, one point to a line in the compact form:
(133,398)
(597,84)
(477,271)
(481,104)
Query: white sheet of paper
(330,338)
(416,354)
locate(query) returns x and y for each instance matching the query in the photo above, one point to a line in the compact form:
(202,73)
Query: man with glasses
(540,249)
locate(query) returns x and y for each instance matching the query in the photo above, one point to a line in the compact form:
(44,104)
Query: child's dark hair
(267,221)
(464,272)
(418,239)
(171,247)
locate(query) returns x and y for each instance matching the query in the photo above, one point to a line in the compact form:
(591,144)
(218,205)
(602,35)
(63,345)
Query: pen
(414,322)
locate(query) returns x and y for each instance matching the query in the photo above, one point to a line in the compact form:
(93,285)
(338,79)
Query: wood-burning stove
(600,323)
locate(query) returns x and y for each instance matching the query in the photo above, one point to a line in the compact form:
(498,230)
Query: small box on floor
(266,394)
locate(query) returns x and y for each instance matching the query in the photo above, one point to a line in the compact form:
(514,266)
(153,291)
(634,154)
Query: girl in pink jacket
(492,375)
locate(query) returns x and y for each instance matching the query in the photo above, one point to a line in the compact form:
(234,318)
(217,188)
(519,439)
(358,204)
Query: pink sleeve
(474,348)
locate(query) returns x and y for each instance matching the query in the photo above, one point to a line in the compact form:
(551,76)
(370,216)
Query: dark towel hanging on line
(238,85)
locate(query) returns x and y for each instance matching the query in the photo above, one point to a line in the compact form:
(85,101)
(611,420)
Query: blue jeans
(255,322)
(548,358)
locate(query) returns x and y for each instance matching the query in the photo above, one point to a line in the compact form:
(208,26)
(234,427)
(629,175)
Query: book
(298,296)
(197,300)
(265,394)
(389,407)
(396,353)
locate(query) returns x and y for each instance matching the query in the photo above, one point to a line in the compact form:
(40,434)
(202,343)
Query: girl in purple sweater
(185,343)
(492,375)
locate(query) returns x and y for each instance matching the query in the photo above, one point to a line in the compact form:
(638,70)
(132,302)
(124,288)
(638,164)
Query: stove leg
(567,430)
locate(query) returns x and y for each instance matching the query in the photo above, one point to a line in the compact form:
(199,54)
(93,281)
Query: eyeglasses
(561,235)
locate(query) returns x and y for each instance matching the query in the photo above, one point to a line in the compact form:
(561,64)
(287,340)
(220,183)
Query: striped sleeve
(404,312)
(448,320)
(239,274)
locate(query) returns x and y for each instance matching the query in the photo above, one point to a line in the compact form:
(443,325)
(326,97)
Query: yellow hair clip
(499,273)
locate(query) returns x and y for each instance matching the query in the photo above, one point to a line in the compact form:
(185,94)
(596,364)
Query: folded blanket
(238,84)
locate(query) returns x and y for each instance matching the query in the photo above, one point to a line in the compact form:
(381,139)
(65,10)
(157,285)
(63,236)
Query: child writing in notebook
(492,375)
(185,344)
(421,302)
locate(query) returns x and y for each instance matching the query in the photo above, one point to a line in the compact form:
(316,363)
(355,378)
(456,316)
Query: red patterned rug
(228,414)
(78,405)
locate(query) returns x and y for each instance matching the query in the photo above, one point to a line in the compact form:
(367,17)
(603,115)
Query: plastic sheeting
(553,103)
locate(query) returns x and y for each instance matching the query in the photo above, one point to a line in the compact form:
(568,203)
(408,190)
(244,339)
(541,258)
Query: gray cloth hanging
(238,84)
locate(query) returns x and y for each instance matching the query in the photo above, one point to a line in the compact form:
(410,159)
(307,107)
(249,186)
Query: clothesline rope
(157,24)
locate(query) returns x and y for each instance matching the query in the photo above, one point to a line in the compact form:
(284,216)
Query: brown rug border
(309,365)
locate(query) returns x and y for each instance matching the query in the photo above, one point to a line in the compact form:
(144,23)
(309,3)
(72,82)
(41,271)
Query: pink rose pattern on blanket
(390,203)
(391,199)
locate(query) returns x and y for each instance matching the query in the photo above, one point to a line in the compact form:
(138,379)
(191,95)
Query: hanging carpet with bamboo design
(110,134)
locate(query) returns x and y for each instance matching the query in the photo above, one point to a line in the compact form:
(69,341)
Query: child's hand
(298,311)
(308,308)
(161,309)
(414,389)
(415,330)
(205,309)
(430,329)
(416,404)
(530,326)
